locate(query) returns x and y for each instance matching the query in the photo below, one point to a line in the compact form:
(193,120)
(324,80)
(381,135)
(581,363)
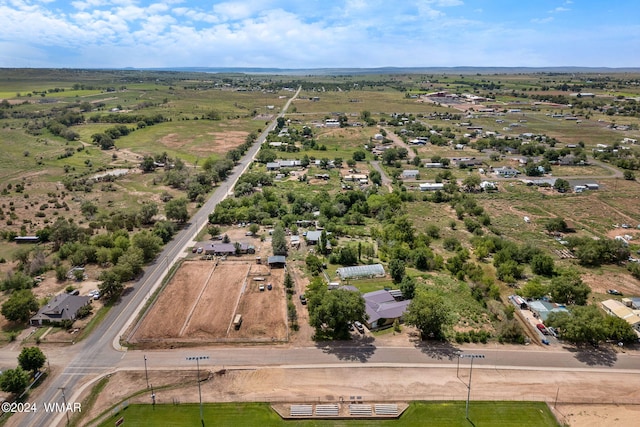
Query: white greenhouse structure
(359,271)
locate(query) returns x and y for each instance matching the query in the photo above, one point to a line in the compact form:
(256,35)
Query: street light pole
(198,359)
(146,375)
(469,356)
(64,399)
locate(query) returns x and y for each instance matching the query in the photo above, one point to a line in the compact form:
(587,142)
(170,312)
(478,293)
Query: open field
(448,414)
(199,303)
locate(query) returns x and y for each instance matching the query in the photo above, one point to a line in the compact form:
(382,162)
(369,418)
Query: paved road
(96,355)
(340,354)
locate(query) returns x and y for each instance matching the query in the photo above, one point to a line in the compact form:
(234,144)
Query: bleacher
(359,409)
(331,410)
(386,409)
(301,410)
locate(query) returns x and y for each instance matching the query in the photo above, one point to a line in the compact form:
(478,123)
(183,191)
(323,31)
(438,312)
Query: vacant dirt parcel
(200,302)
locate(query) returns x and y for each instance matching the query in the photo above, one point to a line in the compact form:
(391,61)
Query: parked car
(269,287)
(193,250)
(261,288)
(359,326)
(199,250)
(303,300)
(614,292)
(542,328)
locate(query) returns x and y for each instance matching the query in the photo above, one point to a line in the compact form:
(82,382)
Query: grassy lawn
(530,414)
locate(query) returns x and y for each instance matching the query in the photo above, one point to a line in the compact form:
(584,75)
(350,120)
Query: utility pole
(198,359)
(472,357)
(146,374)
(64,399)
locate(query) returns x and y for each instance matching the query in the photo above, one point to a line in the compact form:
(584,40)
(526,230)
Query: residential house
(410,174)
(62,307)
(383,309)
(506,172)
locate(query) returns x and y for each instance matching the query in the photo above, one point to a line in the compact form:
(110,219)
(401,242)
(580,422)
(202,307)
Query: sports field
(530,414)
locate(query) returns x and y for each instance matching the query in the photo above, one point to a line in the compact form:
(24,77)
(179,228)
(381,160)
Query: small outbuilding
(277,261)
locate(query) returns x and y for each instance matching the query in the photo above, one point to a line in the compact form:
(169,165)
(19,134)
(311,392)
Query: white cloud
(542,20)
(559,10)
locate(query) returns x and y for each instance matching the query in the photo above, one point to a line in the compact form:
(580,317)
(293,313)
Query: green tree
(375,177)
(568,288)
(543,265)
(20,306)
(534,289)
(149,243)
(279,241)
(562,185)
(31,359)
(396,270)
(176,209)
(408,287)
(430,313)
(556,225)
(471,183)
(314,264)
(147,211)
(16,281)
(629,175)
(111,286)
(88,209)
(619,330)
(14,380)
(336,309)
(359,155)
(148,164)
(582,324)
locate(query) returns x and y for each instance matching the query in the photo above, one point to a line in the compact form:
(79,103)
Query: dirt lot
(200,302)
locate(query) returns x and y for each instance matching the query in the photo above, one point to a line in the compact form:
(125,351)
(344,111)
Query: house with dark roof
(61,307)
(383,309)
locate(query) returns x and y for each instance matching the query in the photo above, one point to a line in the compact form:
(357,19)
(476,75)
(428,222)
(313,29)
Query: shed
(277,261)
(313,237)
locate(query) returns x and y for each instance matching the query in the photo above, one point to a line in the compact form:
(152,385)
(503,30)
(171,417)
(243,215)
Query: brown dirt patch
(200,302)
(226,141)
(599,283)
(599,415)
(174,140)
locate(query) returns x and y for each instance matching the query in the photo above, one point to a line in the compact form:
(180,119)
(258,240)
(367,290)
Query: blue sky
(319,33)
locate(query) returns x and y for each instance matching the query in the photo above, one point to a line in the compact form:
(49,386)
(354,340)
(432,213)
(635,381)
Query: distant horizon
(290,34)
(461,69)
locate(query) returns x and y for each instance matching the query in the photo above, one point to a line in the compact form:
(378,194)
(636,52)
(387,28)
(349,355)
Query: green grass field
(530,414)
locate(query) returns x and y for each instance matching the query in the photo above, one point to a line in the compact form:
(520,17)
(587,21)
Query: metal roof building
(372,270)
